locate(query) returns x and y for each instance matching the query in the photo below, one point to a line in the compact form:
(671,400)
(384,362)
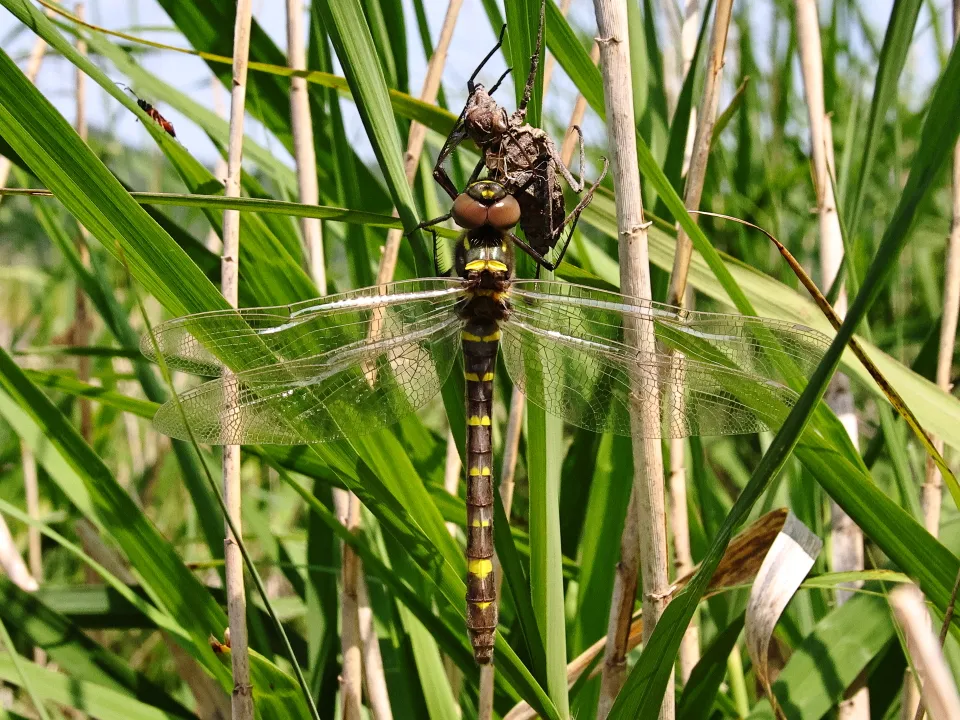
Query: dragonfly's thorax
(484,259)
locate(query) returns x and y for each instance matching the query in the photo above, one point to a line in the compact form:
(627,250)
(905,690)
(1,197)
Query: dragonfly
(342,365)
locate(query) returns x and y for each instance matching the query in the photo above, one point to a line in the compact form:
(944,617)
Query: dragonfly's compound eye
(469,213)
(505,213)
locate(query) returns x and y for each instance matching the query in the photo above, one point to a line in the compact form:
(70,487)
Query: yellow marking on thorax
(474,420)
(491,265)
(481,567)
(495,335)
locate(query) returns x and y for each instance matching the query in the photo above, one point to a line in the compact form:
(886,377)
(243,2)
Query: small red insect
(154,114)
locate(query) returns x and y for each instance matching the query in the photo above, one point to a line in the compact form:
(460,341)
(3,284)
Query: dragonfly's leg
(503,77)
(456,136)
(426,224)
(471,83)
(523,245)
(476,172)
(574,216)
(436,252)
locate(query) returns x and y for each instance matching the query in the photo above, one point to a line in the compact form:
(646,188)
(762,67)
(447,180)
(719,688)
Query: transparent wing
(347,391)
(251,338)
(574,351)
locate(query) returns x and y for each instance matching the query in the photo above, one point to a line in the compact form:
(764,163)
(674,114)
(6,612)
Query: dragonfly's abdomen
(480,342)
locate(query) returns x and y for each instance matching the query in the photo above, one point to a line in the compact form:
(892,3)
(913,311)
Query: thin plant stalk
(304,153)
(938,689)
(242,698)
(374,678)
(693,188)
(645,532)
(847,539)
(699,154)
(351,671)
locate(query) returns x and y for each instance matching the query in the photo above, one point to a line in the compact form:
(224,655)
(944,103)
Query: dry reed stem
(645,525)
(374,678)
(348,510)
(485,699)
(937,686)
(303,150)
(242,696)
(693,188)
(418,133)
(846,547)
(698,152)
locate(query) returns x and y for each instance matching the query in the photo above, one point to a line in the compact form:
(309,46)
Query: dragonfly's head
(486,202)
(488,213)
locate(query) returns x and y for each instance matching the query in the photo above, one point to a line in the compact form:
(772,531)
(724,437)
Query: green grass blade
(351,39)
(78,655)
(893,56)
(830,659)
(701,689)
